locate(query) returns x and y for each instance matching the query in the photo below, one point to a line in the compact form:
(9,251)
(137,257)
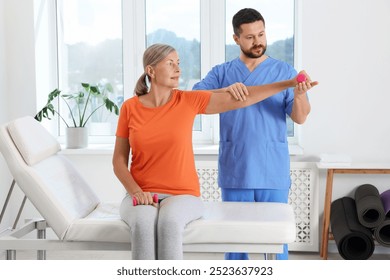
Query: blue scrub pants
(255,195)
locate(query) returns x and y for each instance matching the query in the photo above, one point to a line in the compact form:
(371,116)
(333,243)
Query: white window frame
(134,35)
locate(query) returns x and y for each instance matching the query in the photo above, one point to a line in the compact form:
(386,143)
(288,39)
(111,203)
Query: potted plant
(99,123)
(81,105)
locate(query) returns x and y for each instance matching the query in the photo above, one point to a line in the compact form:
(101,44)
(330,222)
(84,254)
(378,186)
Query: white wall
(345,46)
(17,80)
(3,109)
(4,175)
(20,57)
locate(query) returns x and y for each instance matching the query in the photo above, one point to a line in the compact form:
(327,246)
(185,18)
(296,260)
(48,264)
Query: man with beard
(254,163)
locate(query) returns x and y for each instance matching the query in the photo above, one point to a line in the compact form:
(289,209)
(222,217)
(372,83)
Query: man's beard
(251,54)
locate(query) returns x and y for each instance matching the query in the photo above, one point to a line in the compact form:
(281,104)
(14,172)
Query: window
(102,41)
(168,22)
(178,25)
(90,51)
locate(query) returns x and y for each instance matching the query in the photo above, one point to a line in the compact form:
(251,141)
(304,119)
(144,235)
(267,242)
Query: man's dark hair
(246,15)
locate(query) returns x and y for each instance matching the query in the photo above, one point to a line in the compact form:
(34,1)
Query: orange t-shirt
(161,142)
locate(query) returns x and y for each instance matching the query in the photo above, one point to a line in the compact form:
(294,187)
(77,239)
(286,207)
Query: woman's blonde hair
(152,56)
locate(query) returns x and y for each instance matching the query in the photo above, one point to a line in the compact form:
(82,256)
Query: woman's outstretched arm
(222,100)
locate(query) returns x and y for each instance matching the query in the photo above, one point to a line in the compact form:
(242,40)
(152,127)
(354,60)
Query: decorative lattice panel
(209,184)
(304,200)
(303,197)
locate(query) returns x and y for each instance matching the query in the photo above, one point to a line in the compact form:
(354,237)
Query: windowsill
(92,149)
(107,149)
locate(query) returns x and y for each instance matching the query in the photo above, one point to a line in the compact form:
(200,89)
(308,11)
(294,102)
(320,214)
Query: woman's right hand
(144,198)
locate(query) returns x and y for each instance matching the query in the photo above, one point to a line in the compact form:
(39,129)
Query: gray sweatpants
(157,233)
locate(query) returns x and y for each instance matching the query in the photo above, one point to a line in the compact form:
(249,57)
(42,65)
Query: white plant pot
(76,137)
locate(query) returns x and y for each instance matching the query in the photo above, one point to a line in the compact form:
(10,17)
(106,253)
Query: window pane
(279,23)
(90,51)
(177,23)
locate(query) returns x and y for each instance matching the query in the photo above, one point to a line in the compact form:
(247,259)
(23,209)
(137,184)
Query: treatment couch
(80,221)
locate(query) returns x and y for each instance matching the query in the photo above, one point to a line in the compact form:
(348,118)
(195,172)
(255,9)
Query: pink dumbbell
(301,78)
(155,199)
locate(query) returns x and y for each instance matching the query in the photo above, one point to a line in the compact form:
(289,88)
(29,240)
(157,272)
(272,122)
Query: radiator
(303,197)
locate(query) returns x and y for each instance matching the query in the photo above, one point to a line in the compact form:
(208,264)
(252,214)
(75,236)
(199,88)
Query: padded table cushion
(49,180)
(104,225)
(228,222)
(32,140)
(234,222)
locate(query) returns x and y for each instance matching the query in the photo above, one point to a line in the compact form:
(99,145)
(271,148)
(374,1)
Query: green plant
(85,104)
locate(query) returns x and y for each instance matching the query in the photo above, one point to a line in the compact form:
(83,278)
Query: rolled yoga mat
(385,198)
(382,233)
(369,206)
(353,240)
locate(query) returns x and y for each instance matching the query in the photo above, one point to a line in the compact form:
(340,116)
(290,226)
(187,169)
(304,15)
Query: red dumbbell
(155,199)
(301,78)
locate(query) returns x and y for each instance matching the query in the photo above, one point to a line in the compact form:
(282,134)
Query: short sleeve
(198,99)
(122,129)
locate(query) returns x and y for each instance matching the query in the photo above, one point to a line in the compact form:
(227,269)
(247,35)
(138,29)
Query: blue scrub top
(253,150)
